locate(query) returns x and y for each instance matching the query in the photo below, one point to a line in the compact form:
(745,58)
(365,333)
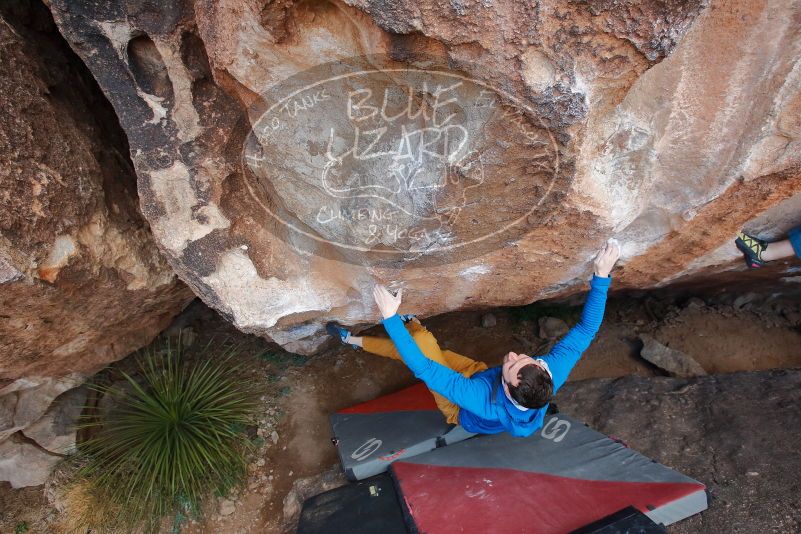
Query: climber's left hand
(388,303)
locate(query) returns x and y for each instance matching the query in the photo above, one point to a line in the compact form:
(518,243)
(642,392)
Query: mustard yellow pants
(429,346)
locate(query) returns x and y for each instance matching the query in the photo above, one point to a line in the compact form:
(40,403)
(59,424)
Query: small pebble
(696,303)
(227,507)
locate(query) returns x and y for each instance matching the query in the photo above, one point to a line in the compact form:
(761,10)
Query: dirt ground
(725,333)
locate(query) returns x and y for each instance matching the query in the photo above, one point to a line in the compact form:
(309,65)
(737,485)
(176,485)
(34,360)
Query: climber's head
(528,381)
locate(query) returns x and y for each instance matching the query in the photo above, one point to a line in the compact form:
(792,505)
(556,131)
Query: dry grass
(79,510)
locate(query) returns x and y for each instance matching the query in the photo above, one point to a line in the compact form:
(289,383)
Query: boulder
(552,327)
(291,154)
(26,400)
(488,320)
(695,303)
(22,463)
(82,283)
(56,430)
(675,362)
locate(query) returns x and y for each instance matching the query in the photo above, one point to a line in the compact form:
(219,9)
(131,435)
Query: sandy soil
(728,335)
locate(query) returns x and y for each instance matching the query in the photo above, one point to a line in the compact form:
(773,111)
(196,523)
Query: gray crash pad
(372,435)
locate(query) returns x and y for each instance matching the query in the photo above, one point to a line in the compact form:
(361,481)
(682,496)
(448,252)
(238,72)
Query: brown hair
(535,387)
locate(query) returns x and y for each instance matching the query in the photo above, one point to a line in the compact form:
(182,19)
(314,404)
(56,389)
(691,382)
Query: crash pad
(366,507)
(371,435)
(561,478)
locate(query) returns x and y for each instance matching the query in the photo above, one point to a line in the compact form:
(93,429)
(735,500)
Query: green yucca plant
(175,437)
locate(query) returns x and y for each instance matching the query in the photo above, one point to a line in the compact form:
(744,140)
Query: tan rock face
(291,154)
(24,464)
(81,281)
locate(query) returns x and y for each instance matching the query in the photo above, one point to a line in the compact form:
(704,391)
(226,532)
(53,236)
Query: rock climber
(758,252)
(511,397)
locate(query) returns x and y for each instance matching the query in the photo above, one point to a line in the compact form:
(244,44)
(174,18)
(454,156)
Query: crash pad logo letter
(556,429)
(366,449)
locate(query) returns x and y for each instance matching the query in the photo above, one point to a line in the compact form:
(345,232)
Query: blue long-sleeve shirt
(484,407)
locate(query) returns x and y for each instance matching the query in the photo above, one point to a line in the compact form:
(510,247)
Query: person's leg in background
(795,240)
(785,249)
(757,252)
(778,250)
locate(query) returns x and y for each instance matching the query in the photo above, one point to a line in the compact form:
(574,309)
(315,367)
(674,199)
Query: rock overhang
(286,164)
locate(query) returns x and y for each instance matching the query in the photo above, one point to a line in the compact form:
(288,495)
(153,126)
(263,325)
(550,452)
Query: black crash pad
(369,506)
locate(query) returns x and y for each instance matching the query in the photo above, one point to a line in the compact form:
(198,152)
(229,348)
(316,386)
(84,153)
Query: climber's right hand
(606,258)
